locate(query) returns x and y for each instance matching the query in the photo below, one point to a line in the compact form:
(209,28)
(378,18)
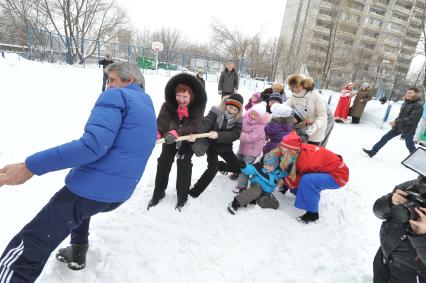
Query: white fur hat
(259,108)
(280,110)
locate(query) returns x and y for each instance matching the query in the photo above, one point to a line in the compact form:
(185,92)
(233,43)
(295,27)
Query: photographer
(402,253)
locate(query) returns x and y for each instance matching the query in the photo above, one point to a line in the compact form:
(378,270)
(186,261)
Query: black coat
(228,81)
(409,116)
(397,244)
(105,63)
(168,119)
(226,135)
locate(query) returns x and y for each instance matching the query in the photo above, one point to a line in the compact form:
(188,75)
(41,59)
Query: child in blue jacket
(263,180)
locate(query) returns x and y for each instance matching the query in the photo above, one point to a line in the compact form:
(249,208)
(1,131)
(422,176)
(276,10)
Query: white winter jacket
(314,109)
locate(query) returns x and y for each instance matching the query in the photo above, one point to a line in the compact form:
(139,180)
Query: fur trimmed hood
(199,93)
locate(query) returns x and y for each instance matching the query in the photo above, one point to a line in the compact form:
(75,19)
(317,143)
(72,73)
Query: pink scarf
(182,112)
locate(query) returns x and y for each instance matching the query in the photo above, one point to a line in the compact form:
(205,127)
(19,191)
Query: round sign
(157,46)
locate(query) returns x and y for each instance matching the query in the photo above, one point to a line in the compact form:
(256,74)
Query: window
(377,10)
(400,17)
(396,27)
(348,29)
(393,38)
(325,12)
(415,25)
(369,33)
(357,6)
(318,47)
(390,49)
(351,18)
(324,24)
(407,6)
(374,22)
(367,45)
(410,43)
(406,52)
(322,36)
(386,2)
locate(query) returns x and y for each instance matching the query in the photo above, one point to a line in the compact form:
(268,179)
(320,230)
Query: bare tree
(232,42)
(81,20)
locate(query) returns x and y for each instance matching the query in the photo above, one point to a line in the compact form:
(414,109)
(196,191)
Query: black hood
(200,95)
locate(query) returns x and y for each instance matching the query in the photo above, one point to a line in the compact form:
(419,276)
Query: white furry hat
(280,110)
(259,108)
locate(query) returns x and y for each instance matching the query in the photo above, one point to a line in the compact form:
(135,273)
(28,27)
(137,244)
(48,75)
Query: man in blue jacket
(108,162)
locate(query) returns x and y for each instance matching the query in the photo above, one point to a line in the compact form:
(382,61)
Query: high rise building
(351,40)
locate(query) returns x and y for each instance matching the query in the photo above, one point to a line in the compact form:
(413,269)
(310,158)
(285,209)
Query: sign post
(157,47)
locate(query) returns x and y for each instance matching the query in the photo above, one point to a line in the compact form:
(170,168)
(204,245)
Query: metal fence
(42,45)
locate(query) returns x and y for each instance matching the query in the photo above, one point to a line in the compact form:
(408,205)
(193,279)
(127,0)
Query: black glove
(169,138)
(242,164)
(283,189)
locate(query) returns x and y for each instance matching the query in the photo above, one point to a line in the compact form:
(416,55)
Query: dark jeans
(104,81)
(213,166)
(184,171)
(390,135)
(27,253)
(387,272)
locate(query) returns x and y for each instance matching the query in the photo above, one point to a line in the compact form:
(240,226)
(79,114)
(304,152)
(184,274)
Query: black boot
(370,153)
(233,207)
(155,200)
(179,206)
(308,217)
(74,256)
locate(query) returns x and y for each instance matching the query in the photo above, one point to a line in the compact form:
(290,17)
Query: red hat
(292,142)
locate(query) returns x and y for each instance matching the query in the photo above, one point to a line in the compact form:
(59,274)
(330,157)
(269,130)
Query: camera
(401,213)
(416,192)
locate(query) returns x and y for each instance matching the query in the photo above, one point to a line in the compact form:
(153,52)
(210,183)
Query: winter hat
(280,110)
(260,108)
(276,97)
(365,85)
(235,100)
(292,142)
(271,159)
(349,84)
(295,79)
(277,87)
(257,95)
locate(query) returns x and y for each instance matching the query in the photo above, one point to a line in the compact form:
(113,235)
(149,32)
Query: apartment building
(368,40)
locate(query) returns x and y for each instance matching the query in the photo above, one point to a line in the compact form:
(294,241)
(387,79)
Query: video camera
(416,192)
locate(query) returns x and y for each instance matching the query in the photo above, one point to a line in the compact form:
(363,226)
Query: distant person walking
(228,81)
(364,95)
(406,123)
(105,62)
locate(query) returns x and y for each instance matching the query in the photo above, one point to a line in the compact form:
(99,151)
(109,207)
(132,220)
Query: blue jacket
(267,180)
(109,159)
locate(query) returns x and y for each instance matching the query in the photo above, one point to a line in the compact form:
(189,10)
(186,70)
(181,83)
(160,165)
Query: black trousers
(231,164)
(184,171)
(104,81)
(387,272)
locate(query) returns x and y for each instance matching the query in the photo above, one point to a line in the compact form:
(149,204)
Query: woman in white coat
(310,110)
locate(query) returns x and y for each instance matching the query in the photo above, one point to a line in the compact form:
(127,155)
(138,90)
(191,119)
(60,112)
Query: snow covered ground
(43,105)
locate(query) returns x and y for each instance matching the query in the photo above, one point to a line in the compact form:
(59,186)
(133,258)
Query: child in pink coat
(252,139)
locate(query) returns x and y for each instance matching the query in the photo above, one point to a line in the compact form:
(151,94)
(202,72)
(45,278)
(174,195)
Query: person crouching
(264,178)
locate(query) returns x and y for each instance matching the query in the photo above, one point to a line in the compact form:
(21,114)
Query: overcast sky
(194,17)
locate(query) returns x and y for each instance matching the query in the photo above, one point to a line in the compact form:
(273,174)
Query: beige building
(357,40)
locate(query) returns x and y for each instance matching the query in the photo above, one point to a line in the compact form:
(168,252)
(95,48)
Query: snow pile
(42,105)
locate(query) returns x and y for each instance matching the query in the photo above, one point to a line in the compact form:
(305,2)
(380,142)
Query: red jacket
(316,159)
